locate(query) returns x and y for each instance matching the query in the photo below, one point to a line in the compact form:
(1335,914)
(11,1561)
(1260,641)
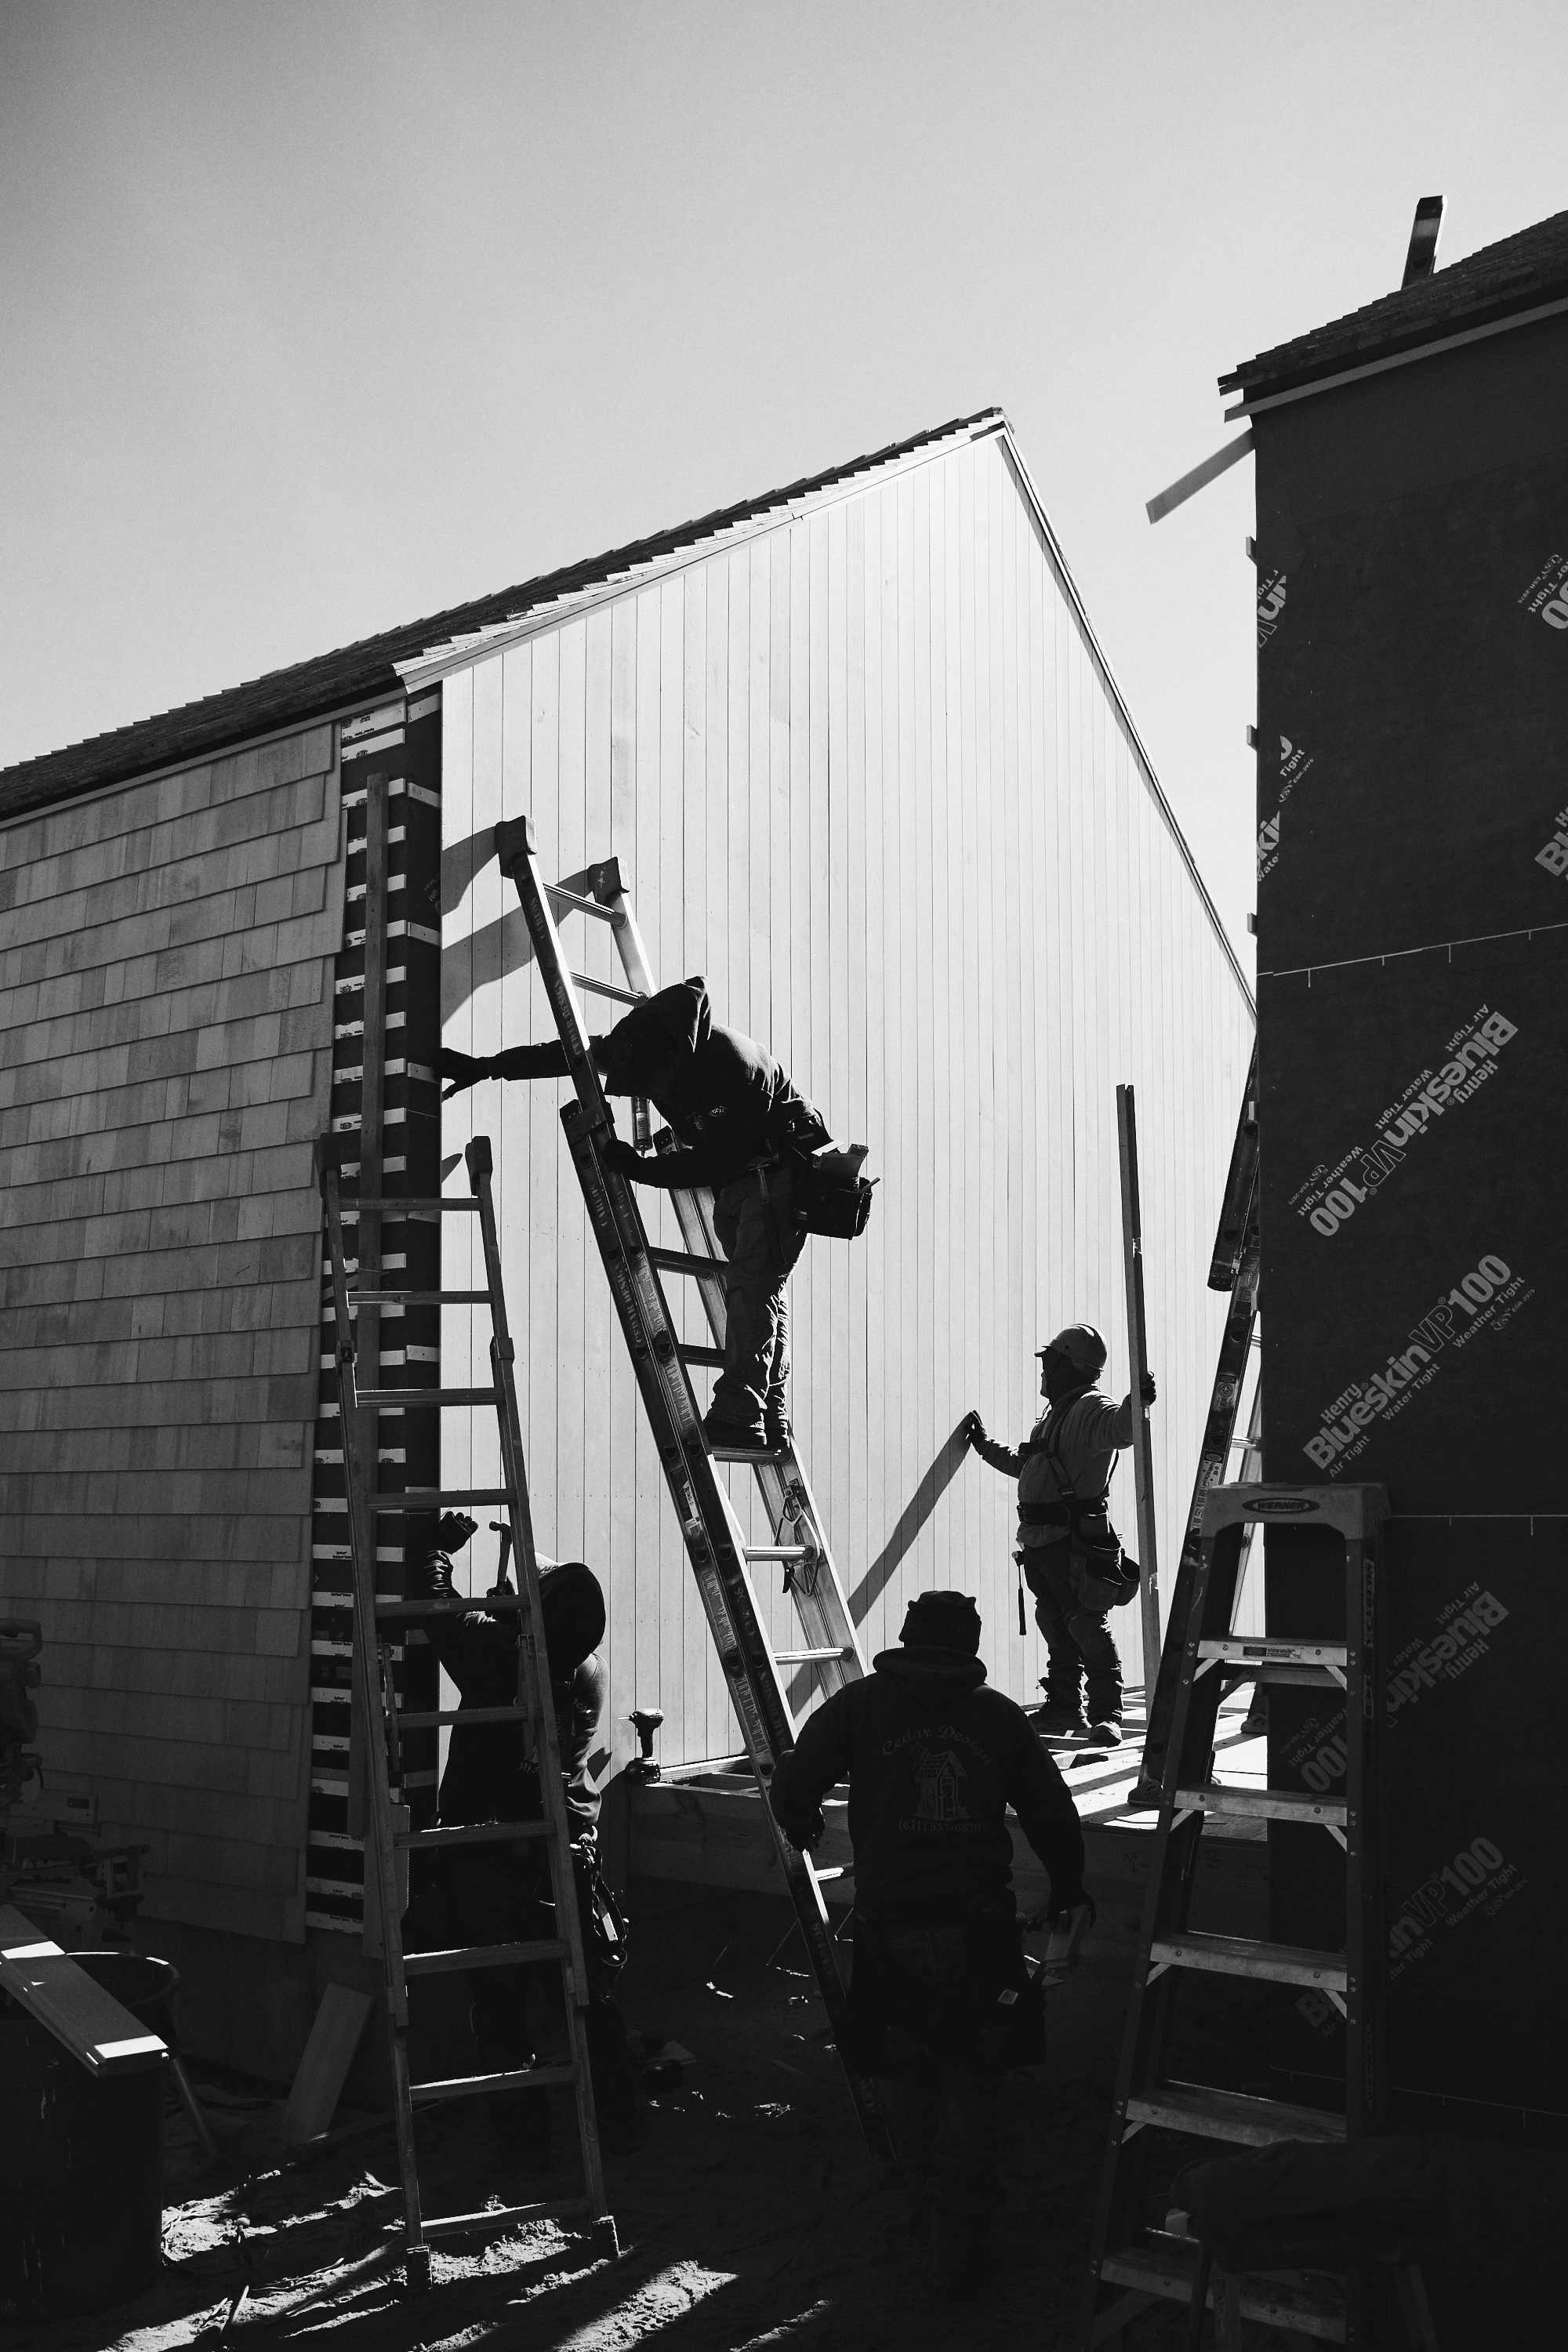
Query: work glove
(619,1158)
(463,1069)
(971,1429)
(454,1531)
(511,842)
(1146,1388)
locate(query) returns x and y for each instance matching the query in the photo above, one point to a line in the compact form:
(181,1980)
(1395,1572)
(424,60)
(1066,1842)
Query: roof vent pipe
(1422,259)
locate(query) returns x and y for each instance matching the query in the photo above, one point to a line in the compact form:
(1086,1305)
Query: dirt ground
(752,2216)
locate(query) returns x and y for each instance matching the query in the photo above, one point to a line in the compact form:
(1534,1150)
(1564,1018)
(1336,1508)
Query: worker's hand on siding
(1146,1388)
(454,1531)
(621,1161)
(971,1429)
(463,1069)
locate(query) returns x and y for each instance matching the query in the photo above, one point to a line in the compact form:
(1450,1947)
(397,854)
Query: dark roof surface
(310,690)
(1517,274)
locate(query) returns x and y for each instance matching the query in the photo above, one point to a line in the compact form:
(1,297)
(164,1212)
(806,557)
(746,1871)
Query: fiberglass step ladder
(721,1557)
(390,1840)
(1138,2263)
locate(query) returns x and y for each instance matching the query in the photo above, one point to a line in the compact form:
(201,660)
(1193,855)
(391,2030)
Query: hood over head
(932,1671)
(666,1028)
(573,1602)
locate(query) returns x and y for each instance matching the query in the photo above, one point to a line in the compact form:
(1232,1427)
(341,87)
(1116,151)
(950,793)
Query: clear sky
(322,314)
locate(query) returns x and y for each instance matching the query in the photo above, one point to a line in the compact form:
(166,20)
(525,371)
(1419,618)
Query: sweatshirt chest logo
(938,1776)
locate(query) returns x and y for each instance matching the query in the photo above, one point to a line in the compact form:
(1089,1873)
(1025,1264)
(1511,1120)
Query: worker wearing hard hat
(1069,1554)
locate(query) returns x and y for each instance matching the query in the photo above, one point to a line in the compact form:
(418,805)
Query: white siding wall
(861,768)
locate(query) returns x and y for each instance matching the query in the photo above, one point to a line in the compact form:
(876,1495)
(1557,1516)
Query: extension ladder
(721,1557)
(1234,1267)
(391,1840)
(1138,2263)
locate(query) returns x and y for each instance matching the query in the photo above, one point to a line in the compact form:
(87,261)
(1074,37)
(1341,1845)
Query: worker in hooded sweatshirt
(1063,1469)
(942,2001)
(496,1894)
(736,1119)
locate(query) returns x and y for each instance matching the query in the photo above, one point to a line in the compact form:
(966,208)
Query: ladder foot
(416,2271)
(606,2243)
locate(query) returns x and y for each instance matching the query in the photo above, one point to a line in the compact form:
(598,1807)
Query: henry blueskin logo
(1547,594)
(1270,605)
(1489,1296)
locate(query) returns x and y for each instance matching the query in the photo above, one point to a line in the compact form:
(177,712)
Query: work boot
(734,1437)
(1062,1715)
(1107,1733)
(777,1434)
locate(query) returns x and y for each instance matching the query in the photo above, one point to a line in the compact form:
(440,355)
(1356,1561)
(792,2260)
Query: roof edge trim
(1430,349)
(419,670)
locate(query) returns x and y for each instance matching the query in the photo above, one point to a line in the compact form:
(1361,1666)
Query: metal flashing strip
(1398,359)
(1397,955)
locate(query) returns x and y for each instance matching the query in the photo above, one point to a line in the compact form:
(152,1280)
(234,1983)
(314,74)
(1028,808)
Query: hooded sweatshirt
(491,1773)
(933,1760)
(727,1103)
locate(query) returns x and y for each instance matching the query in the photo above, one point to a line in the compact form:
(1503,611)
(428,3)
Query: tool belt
(1100,1572)
(831,1196)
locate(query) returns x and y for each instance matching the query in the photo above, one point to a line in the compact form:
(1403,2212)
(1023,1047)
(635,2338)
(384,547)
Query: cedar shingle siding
(165,1049)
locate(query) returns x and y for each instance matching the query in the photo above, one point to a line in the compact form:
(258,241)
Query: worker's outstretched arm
(1047,1817)
(819,1759)
(971,1429)
(466,1070)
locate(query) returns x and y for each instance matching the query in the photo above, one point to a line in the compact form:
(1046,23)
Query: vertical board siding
(165,1052)
(863,770)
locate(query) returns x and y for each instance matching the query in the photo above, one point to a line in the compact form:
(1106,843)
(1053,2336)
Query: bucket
(81,2156)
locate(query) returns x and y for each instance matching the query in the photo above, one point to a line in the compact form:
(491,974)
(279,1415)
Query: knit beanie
(941,1621)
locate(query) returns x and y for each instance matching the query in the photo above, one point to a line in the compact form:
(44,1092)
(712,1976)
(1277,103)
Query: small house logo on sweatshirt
(939,1772)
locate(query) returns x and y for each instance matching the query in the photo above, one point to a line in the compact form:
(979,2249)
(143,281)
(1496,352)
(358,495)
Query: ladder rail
(533,1667)
(715,1545)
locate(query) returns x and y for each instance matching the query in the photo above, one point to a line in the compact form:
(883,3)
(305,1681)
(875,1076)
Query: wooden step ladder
(721,1557)
(389,1840)
(1133,2264)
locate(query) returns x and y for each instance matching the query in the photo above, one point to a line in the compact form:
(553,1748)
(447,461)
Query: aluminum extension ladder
(1131,2260)
(721,1559)
(390,1839)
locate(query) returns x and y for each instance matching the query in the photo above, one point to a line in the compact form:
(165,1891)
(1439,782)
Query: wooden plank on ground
(323,2068)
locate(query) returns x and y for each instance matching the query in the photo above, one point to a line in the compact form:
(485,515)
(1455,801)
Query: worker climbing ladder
(389,1838)
(721,1558)
(1135,2263)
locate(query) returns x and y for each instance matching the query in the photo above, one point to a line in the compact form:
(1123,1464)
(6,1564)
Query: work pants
(761,1241)
(1080,1640)
(498,1899)
(943,2106)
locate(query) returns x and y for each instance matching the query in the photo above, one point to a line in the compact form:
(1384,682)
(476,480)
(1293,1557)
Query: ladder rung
(482,1956)
(428,1718)
(686,1262)
(496,2217)
(471,1833)
(427,1400)
(459,1605)
(419,1299)
(1279,1653)
(604,988)
(1262,1805)
(712,1357)
(1169,2269)
(1231,2115)
(437,1498)
(443,1204)
(583,906)
(780,1551)
(808,1658)
(748,1453)
(473,2086)
(1239,1955)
